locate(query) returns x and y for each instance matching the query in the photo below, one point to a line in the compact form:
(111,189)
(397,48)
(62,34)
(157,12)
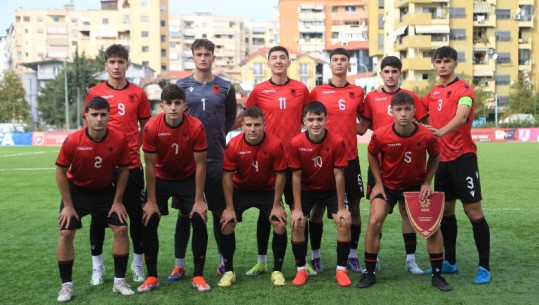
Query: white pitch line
(23,154)
(26,169)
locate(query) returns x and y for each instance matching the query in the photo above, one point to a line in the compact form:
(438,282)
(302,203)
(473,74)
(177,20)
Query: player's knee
(228,228)
(278,227)
(196,219)
(119,231)
(67,235)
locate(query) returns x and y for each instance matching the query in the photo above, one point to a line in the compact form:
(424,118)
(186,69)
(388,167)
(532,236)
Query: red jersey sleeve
(200,144)
(374,147)
(229,162)
(292,156)
(65,157)
(340,156)
(252,98)
(422,108)
(125,158)
(144,111)
(279,159)
(149,143)
(433,147)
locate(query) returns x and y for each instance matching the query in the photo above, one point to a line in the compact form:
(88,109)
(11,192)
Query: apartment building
(495,40)
(254,68)
(233,39)
(142,25)
(314,26)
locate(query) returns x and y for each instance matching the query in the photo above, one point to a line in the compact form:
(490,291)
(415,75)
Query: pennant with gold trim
(425,215)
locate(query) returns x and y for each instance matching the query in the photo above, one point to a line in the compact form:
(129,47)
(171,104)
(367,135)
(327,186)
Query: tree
(13,107)
(79,77)
(521,97)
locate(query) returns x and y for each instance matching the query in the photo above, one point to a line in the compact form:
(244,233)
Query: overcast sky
(260,10)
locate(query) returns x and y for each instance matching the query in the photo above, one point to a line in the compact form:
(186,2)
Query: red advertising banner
(505,134)
(49,138)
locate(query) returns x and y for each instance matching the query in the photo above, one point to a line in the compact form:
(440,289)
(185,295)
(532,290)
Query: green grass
(29,202)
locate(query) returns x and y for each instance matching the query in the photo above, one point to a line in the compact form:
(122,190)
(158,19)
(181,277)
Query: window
(144,3)
(304,69)
(258,70)
(144,18)
(457,34)
(145,63)
(350,9)
(163,23)
(380,41)
(381,4)
(105,21)
(461,57)
(145,49)
(457,12)
(55,19)
(305,81)
(503,80)
(524,57)
(503,35)
(163,53)
(504,58)
(334,35)
(381,21)
(172,45)
(334,9)
(144,34)
(503,14)
(26,18)
(163,38)
(127,20)
(503,101)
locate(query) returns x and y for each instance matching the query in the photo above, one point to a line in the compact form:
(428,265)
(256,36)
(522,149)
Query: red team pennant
(425,215)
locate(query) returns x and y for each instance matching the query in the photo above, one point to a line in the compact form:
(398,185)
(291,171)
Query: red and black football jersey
(377,107)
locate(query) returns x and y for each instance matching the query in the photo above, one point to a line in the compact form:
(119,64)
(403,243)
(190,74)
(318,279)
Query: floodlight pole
(66,97)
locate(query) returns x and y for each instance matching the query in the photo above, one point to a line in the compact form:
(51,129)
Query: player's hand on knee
(297,219)
(201,208)
(148,210)
(228,216)
(344,217)
(119,209)
(67,213)
(278,214)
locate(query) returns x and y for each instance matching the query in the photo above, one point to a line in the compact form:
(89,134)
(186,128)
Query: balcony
(524,21)
(525,43)
(488,20)
(414,19)
(421,64)
(525,64)
(484,42)
(484,68)
(415,42)
(405,3)
(312,28)
(303,16)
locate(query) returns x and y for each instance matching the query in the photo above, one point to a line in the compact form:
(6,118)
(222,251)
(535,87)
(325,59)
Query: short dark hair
(339,51)
(392,61)
(315,107)
(97,103)
(402,98)
(253,112)
(445,52)
(203,43)
(172,92)
(117,50)
(278,48)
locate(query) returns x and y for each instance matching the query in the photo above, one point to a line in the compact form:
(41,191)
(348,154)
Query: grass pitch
(29,202)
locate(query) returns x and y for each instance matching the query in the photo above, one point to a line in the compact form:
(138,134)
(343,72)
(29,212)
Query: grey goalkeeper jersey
(214,103)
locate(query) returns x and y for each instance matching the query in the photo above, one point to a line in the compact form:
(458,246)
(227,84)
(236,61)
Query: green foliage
(13,107)
(521,97)
(79,78)
(29,238)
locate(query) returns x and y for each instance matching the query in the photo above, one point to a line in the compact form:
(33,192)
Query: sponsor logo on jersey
(108,97)
(216,89)
(164,134)
(269,91)
(436,93)
(380,99)
(190,89)
(305,149)
(84,148)
(247,152)
(328,92)
(394,144)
